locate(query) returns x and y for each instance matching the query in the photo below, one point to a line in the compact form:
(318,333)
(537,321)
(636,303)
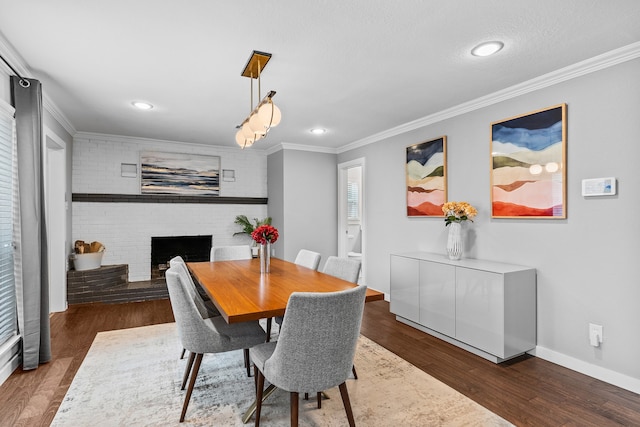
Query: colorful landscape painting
(183,174)
(427,178)
(528,167)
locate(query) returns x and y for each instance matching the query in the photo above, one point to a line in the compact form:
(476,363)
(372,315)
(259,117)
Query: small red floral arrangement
(265,233)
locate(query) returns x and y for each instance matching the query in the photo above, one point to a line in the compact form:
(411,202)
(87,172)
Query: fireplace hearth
(190,248)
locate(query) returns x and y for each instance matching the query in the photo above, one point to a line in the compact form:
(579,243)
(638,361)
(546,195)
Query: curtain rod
(23,82)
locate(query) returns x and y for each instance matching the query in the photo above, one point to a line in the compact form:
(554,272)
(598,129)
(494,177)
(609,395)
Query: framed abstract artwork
(528,165)
(426,172)
(181,174)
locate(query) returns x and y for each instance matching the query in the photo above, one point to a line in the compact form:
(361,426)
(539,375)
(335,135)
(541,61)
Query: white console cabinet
(488,308)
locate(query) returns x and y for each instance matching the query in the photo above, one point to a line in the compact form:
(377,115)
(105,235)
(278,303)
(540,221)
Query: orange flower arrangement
(458,212)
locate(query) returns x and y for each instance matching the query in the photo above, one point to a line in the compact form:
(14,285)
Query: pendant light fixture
(265,114)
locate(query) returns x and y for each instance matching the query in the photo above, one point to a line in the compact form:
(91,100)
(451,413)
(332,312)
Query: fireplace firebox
(190,248)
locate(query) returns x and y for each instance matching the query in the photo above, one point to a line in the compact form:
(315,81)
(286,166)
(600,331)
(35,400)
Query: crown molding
(13,57)
(299,147)
(148,141)
(274,149)
(57,114)
(588,66)
(20,65)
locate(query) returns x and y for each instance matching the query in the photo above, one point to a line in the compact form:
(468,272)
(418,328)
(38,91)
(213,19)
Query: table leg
(252,409)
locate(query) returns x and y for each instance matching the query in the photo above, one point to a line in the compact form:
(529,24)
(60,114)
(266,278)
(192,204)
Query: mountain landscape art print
(427,177)
(528,167)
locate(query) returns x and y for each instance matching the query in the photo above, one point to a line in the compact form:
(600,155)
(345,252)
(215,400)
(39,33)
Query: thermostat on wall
(599,186)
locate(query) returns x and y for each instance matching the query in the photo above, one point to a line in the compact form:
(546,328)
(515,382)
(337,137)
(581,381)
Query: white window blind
(8,317)
(353,201)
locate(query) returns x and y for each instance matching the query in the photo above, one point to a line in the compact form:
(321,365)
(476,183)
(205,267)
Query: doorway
(351,221)
(55,174)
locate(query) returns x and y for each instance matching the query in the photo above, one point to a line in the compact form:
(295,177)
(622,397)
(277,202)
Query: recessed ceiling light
(142,105)
(487,48)
(318,131)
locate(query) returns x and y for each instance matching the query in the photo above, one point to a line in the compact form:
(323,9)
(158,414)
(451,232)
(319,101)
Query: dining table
(242,292)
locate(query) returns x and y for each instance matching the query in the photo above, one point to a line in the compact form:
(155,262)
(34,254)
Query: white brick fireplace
(126,228)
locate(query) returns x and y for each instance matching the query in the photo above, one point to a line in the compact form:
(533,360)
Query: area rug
(132,377)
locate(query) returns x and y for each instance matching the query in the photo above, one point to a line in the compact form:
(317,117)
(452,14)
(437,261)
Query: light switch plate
(599,186)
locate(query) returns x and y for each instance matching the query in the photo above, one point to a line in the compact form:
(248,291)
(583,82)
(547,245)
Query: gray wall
(303,202)
(275,206)
(584,263)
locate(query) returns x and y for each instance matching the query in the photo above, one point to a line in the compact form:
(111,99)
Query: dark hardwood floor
(31,398)
(527,391)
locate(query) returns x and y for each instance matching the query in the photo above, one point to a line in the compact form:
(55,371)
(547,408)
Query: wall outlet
(595,334)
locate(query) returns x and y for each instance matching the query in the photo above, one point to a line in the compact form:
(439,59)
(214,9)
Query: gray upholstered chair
(229,253)
(306,357)
(205,306)
(344,268)
(307,258)
(200,336)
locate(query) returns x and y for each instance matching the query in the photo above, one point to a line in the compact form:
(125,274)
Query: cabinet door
(438,297)
(480,309)
(404,287)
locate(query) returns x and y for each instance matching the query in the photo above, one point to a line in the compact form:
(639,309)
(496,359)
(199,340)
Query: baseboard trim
(603,374)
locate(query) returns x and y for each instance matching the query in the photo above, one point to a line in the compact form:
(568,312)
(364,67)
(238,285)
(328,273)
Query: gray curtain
(32,277)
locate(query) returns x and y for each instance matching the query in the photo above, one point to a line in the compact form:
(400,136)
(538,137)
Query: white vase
(454,241)
(265,257)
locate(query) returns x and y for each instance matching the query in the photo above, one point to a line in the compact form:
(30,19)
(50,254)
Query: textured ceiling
(354,67)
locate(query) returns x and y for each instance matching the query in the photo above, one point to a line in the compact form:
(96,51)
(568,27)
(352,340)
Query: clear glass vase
(454,241)
(265,257)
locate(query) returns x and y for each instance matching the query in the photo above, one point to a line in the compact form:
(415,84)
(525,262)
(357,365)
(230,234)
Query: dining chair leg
(184,350)
(247,362)
(255,377)
(187,370)
(347,404)
(269,321)
(319,397)
(294,409)
(194,375)
(353,369)
(259,391)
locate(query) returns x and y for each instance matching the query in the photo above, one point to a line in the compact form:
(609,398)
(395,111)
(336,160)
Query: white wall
(585,263)
(126,228)
(5,86)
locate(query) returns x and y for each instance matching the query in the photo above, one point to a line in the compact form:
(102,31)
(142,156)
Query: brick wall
(126,228)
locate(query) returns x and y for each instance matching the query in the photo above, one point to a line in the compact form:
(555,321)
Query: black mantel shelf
(165,198)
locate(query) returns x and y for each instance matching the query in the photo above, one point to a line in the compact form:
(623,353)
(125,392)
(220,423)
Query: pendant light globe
(247,131)
(257,125)
(243,141)
(240,139)
(270,114)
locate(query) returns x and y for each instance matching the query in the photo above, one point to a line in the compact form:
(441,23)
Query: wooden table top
(242,293)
